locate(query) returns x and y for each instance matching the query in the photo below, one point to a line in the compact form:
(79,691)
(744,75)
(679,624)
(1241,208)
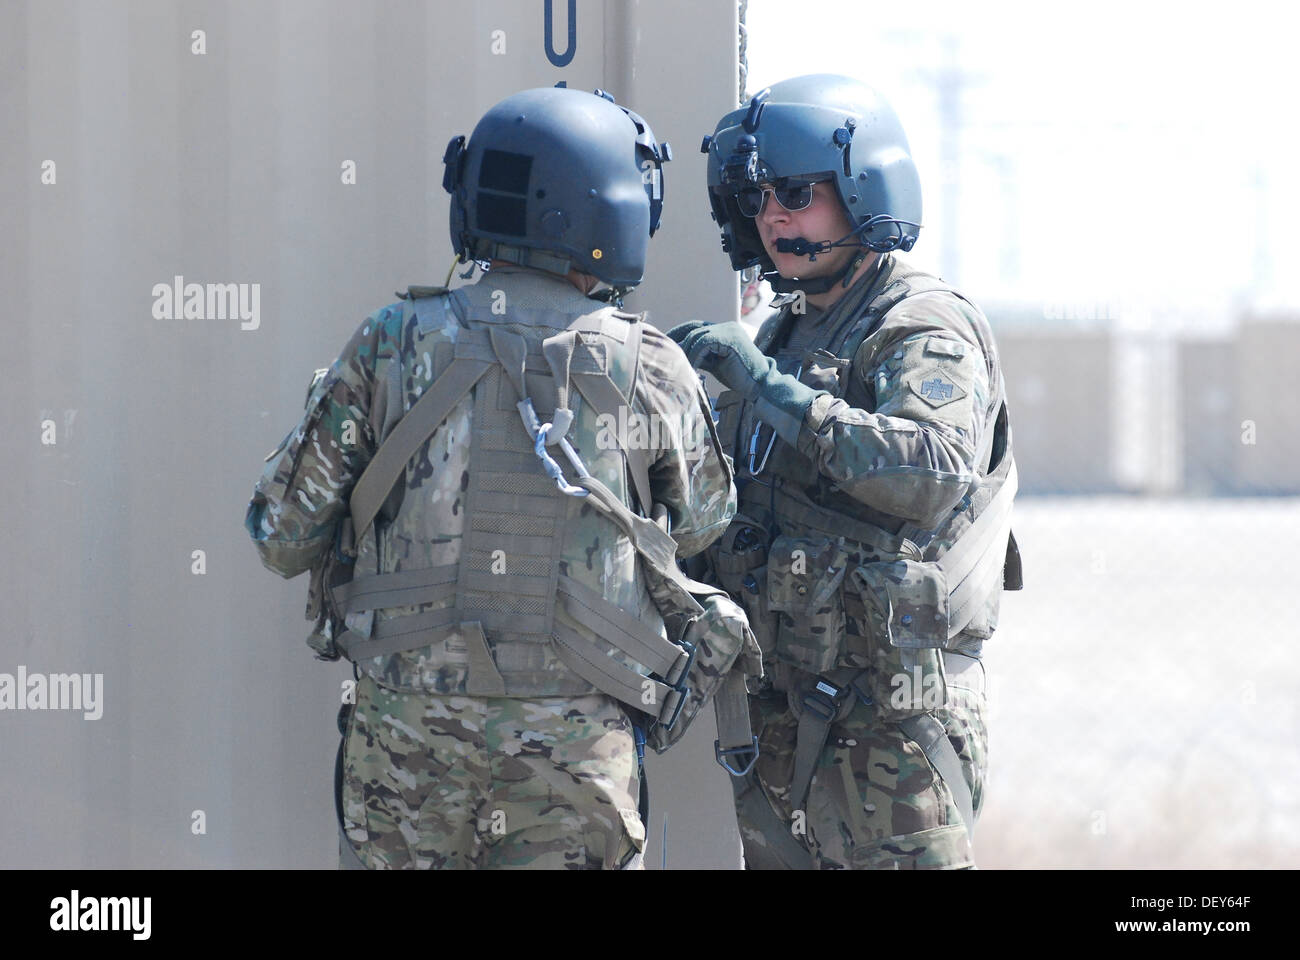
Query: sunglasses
(792,193)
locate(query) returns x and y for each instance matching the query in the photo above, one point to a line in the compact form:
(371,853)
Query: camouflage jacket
(298,504)
(892,463)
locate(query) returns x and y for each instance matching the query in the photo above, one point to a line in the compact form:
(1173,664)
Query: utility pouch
(822,370)
(906,601)
(741,568)
(722,641)
(804,577)
(334,568)
(728,406)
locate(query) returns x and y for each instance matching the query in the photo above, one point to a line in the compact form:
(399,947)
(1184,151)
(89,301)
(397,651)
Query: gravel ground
(1143,688)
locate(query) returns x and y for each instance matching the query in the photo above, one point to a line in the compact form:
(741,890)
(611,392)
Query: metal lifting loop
(553,469)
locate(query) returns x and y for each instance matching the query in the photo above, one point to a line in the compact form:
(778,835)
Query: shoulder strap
(474,355)
(466,369)
(906,281)
(605,396)
(773,327)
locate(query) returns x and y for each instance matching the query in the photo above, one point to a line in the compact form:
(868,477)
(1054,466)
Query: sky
(1124,159)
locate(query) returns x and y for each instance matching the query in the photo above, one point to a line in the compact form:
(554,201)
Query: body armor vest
(925,586)
(506,619)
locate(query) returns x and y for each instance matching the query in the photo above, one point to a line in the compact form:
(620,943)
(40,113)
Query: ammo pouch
(905,602)
(740,564)
(804,576)
(728,406)
(333,569)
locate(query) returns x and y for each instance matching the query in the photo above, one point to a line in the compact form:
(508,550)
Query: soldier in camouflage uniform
(873,459)
(489,598)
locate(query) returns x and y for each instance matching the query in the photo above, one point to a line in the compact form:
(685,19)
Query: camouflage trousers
(452,782)
(876,801)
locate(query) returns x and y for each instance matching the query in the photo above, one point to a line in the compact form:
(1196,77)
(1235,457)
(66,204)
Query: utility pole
(949,82)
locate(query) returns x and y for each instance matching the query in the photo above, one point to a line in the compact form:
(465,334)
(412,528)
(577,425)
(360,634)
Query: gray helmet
(818,126)
(555,178)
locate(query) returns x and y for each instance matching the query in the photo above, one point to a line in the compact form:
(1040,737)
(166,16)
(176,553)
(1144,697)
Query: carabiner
(552,468)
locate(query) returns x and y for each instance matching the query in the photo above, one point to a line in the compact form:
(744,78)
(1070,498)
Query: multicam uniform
(838,554)
(474,742)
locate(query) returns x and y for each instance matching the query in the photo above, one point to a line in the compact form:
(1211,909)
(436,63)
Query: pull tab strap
(558,351)
(511,351)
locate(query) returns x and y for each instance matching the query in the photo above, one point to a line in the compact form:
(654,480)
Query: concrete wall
(1210,426)
(1158,413)
(1268,404)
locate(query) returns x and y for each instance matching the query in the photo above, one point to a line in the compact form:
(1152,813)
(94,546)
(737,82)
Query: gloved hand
(727,351)
(724,350)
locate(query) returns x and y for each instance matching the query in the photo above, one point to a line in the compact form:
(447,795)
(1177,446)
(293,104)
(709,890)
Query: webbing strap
(412,430)
(735,741)
(779,849)
(512,353)
(655,546)
(599,390)
(964,555)
(810,739)
(930,735)
(558,351)
(603,396)
(834,524)
(396,635)
(820,707)
(609,676)
(630,635)
(404,588)
(904,281)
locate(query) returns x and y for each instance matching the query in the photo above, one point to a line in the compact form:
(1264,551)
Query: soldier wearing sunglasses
(868,424)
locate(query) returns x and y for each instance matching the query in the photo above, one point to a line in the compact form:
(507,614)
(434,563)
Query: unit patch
(935,387)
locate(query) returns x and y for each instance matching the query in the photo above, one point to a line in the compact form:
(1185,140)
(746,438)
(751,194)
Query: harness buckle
(678,685)
(677,678)
(825,699)
(722,756)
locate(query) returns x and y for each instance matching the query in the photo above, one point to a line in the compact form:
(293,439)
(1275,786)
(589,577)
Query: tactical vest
(926,587)
(510,627)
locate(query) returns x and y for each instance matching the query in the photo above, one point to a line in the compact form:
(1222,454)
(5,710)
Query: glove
(727,351)
(724,350)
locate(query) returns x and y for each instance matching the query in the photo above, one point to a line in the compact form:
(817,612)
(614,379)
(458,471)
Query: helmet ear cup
(453,161)
(741,237)
(651,157)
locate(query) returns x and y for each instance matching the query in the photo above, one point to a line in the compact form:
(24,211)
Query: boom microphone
(801,247)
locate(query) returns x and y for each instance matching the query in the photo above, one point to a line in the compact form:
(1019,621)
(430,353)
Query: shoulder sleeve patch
(935,387)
